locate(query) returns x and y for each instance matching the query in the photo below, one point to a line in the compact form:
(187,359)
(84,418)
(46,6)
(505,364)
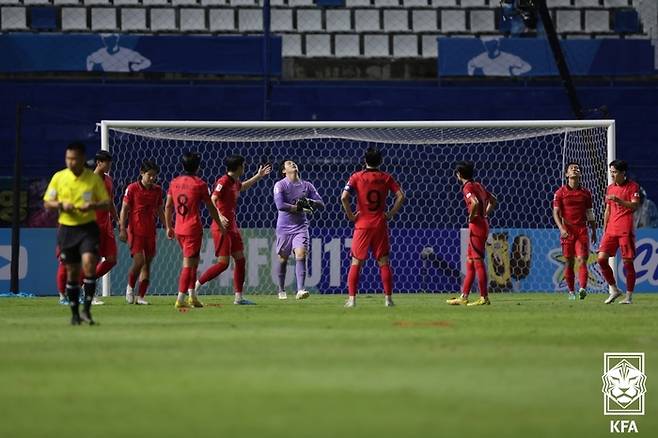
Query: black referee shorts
(76,240)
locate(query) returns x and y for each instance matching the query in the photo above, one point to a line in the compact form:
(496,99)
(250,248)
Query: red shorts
(576,244)
(477,241)
(191,245)
(107,246)
(227,243)
(145,244)
(375,239)
(610,244)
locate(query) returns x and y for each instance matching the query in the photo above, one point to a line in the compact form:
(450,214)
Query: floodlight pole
(560,61)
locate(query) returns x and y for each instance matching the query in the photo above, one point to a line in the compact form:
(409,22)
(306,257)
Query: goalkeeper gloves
(305,204)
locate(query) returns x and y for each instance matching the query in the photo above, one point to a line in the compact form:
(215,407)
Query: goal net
(521,162)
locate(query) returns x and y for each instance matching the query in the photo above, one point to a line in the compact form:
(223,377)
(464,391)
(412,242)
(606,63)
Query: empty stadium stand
(357,28)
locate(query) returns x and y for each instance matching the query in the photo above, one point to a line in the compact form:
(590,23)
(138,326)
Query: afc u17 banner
(423,260)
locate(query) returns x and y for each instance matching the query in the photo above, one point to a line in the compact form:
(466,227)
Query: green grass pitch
(527,366)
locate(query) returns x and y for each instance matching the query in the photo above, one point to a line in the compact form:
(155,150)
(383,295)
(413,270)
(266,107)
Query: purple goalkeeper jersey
(286,194)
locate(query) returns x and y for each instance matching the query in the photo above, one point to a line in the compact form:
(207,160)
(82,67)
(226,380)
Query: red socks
(353,279)
(104,267)
(186,275)
(473,268)
(143,286)
(192,281)
(630,276)
(387,279)
(468,278)
(354,273)
(132,279)
(570,277)
(213,272)
(582,275)
(238,275)
(483,282)
(606,270)
(61,278)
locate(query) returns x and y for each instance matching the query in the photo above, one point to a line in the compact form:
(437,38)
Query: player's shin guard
(582,275)
(300,273)
(570,277)
(630,276)
(353,279)
(387,279)
(281,275)
(469,278)
(238,275)
(90,290)
(483,281)
(61,278)
(606,270)
(184,279)
(213,272)
(104,267)
(73,293)
(143,287)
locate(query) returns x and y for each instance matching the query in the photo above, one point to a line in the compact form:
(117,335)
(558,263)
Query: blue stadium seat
(334,3)
(626,21)
(43,18)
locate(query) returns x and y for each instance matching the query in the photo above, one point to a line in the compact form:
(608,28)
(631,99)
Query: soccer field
(529,365)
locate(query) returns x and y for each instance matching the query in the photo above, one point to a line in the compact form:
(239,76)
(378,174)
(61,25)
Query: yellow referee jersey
(76,190)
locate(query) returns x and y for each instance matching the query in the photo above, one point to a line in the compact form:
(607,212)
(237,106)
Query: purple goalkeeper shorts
(285,243)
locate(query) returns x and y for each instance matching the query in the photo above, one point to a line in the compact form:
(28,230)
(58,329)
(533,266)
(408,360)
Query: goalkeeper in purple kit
(295,200)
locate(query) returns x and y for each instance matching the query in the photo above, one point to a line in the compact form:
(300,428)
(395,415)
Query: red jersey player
(479,203)
(622,199)
(185,194)
(107,248)
(371,187)
(572,210)
(229,242)
(142,203)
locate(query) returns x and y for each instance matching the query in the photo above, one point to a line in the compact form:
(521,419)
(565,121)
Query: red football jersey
(144,206)
(227,191)
(371,187)
(187,192)
(620,221)
(104,217)
(473,189)
(573,204)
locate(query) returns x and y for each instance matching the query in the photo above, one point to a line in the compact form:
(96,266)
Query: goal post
(522,162)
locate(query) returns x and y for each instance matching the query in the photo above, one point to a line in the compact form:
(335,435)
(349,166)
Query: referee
(76,192)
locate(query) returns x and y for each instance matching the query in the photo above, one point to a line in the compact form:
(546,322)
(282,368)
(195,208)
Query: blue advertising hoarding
(508,57)
(227,55)
(423,260)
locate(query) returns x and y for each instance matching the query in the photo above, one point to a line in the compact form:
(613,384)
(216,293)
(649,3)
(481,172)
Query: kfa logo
(623,426)
(624,387)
